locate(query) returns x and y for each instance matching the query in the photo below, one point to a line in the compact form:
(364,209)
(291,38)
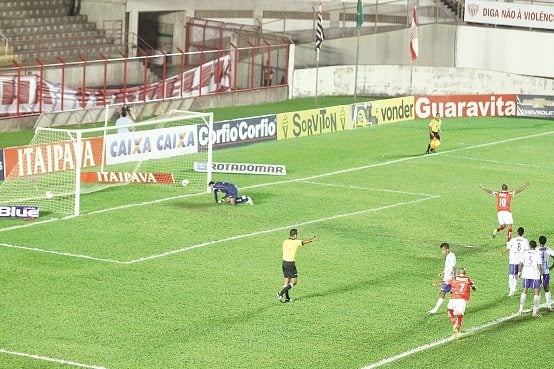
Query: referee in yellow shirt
(434,131)
(290,248)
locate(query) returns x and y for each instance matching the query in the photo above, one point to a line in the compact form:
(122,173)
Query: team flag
(319,35)
(360,15)
(413,38)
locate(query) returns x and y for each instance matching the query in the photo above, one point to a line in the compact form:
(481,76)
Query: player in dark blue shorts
(230,193)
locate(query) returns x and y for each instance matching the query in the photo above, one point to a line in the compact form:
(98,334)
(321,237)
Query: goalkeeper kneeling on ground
(230,193)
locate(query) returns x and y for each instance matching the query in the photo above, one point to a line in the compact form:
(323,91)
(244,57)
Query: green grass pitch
(188,283)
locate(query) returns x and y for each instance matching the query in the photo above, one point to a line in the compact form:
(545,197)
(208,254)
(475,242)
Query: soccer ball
(435,143)
(185,182)
(49,195)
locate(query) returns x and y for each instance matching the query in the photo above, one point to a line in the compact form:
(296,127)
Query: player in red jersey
(461,290)
(503,208)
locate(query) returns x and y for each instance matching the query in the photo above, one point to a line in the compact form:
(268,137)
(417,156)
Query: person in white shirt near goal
(517,246)
(126,118)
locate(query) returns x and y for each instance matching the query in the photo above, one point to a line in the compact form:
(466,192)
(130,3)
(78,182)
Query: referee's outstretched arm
(314,238)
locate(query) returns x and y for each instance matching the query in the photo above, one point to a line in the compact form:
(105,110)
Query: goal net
(138,162)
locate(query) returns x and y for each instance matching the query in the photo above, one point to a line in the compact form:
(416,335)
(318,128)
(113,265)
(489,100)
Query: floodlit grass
(188,283)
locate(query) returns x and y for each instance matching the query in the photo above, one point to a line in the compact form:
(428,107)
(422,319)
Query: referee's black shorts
(289,269)
(435,134)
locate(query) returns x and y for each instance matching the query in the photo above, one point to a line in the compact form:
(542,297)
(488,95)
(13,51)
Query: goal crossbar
(156,158)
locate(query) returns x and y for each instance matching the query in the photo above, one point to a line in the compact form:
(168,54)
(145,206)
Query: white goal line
(299,224)
(328,174)
(305,179)
(209,243)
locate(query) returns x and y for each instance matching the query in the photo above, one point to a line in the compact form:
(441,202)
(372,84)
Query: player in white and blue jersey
(517,247)
(531,272)
(448,273)
(546,253)
(230,193)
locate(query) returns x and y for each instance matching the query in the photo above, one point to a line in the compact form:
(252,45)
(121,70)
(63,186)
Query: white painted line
(443,340)
(498,162)
(369,189)
(247,235)
(390,162)
(305,179)
(252,234)
(38,222)
(32,223)
(401,160)
(156,256)
(127,206)
(52,360)
(35,249)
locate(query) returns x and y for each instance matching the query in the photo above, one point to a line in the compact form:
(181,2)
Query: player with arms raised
(503,207)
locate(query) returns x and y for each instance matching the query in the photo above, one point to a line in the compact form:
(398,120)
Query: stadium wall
(452,60)
(509,50)
(392,80)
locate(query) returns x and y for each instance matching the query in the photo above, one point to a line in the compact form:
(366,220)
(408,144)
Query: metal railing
(78,85)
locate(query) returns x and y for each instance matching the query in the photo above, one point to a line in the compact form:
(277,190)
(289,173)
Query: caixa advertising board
(237,132)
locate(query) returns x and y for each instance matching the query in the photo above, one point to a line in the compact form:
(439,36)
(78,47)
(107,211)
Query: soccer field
(187,283)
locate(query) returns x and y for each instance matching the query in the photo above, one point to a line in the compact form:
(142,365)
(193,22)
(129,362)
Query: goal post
(153,161)
(45,172)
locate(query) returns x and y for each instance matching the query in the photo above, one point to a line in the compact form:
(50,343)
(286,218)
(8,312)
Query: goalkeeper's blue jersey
(229,189)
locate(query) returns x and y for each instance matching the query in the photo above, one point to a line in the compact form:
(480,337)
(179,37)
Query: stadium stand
(454,6)
(44,30)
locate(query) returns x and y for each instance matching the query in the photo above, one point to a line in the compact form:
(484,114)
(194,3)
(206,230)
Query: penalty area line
(369,189)
(61,253)
(209,243)
(50,359)
(443,340)
(281,182)
(497,162)
(299,224)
